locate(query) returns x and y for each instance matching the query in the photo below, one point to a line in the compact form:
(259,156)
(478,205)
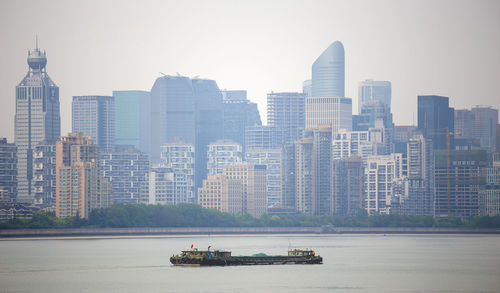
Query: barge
(195,257)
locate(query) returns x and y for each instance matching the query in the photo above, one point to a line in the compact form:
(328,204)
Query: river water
(359,263)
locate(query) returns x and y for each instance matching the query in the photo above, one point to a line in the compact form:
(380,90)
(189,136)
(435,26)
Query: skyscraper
(372,92)
(484,127)
(264,137)
(133,119)
(271,158)
(37,119)
(94,116)
(347,186)
(321,167)
(287,111)
(328,72)
(8,169)
(179,157)
(435,119)
(336,111)
(222,153)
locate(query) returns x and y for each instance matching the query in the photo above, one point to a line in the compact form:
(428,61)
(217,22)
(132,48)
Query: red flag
(191,246)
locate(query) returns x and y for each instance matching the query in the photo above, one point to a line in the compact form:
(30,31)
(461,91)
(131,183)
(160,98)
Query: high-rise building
(173,113)
(370,113)
(288,176)
(159,187)
(436,120)
(414,194)
(133,119)
(287,112)
(221,193)
(459,178)
(336,111)
(328,72)
(271,158)
(79,188)
(95,116)
(307,88)
(303,173)
(253,180)
(239,113)
(179,157)
(37,119)
(125,168)
(222,153)
(8,170)
(489,196)
(45,173)
(401,135)
(463,123)
(352,143)
(321,168)
(264,137)
(484,127)
(347,186)
(380,173)
(374,92)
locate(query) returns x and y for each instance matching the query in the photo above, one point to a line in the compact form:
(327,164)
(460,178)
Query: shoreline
(119,233)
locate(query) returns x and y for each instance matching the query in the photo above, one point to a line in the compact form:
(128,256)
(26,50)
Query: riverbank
(180,231)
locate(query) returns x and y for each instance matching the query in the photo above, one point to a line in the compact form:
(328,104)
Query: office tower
(125,168)
(380,172)
(264,137)
(79,188)
(436,121)
(271,158)
(45,173)
(253,180)
(173,113)
(401,135)
(94,116)
(222,153)
(209,123)
(347,186)
(336,111)
(373,92)
(497,131)
(459,178)
(159,187)
(286,111)
(8,170)
(321,168)
(463,124)
(489,195)
(239,113)
(370,113)
(37,119)
(328,73)
(307,88)
(414,195)
(484,127)
(288,176)
(133,119)
(221,193)
(179,156)
(303,174)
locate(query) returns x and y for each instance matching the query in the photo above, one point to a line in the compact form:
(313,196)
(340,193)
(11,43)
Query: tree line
(192,215)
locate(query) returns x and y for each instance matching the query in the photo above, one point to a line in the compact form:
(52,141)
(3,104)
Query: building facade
(95,116)
(303,174)
(489,196)
(222,153)
(287,112)
(271,158)
(328,73)
(8,170)
(322,203)
(180,158)
(484,127)
(45,173)
(221,193)
(436,121)
(336,111)
(374,92)
(264,137)
(159,187)
(37,119)
(133,119)
(79,188)
(347,186)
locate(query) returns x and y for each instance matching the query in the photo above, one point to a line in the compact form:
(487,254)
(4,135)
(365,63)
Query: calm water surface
(373,263)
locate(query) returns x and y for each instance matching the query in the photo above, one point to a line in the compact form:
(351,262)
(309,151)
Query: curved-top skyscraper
(328,72)
(37,120)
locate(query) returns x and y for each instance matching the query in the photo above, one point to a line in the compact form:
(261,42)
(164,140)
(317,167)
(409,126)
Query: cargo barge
(195,257)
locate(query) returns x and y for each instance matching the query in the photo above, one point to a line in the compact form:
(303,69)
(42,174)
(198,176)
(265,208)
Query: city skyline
(446,57)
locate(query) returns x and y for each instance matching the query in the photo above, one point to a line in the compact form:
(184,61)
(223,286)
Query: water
(369,263)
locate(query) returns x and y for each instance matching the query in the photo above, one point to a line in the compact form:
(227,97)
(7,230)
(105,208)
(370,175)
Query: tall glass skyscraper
(435,119)
(328,72)
(94,116)
(286,111)
(133,119)
(372,92)
(37,119)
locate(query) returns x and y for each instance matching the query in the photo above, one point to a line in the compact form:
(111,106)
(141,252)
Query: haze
(448,48)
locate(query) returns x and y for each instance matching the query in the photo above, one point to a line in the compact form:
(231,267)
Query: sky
(449,48)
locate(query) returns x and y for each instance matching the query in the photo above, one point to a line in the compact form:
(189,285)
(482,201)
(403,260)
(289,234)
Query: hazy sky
(449,48)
